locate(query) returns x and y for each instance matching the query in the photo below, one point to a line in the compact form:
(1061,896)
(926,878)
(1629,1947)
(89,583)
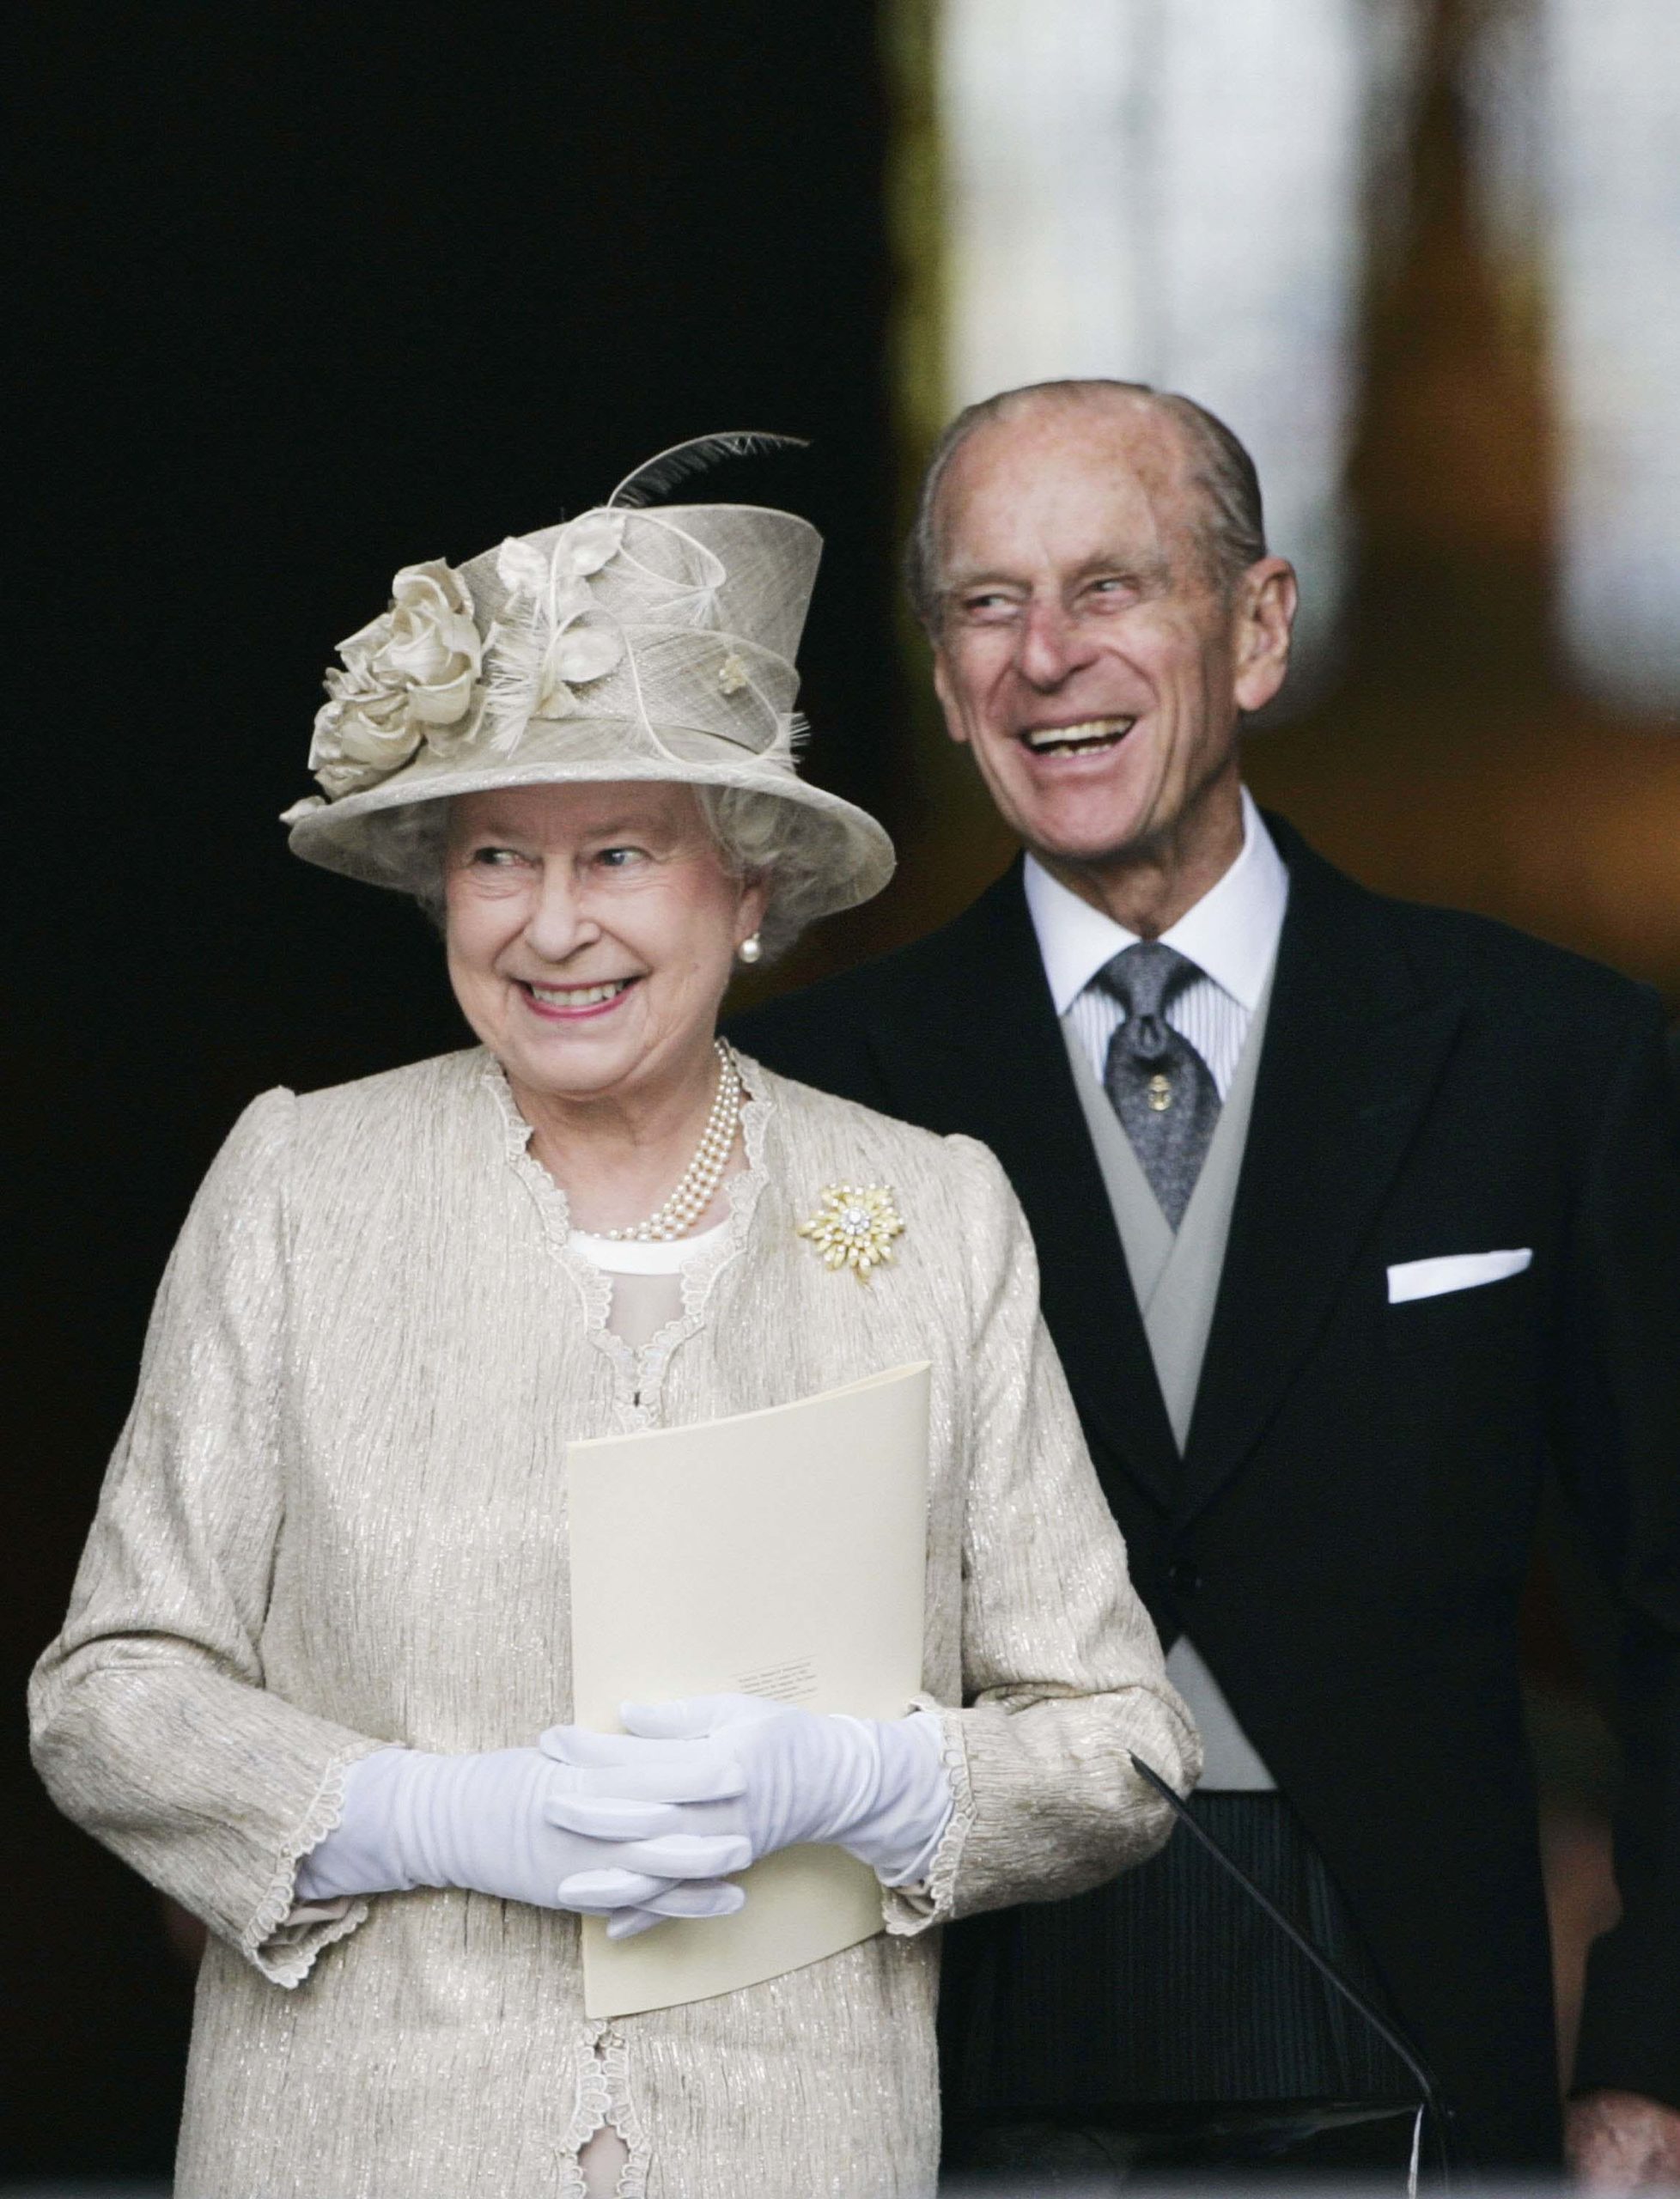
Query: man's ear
(953,724)
(1263,615)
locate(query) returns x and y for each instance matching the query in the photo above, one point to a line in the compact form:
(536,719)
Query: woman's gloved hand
(495,1823)
(877,1788)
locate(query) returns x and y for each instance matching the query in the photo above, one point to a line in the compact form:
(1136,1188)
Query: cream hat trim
(625,644)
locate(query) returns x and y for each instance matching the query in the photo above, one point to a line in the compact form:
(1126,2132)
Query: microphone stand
(1433,2114)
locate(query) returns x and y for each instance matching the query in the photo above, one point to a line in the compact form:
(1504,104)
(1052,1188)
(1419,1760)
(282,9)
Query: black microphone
(1433,2116)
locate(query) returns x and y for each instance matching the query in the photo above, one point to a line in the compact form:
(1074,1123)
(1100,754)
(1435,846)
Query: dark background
(313,299)
(306,299)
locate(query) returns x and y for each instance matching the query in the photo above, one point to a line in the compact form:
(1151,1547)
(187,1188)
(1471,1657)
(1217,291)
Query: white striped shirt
(1231,936)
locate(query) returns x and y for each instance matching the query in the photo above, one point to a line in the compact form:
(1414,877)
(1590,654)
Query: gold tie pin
(1160,1093)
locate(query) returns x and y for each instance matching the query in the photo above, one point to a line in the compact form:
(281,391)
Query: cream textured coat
(337,1519)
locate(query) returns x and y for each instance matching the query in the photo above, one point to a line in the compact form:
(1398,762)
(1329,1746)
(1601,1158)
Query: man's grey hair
(1233,535)
(758,836)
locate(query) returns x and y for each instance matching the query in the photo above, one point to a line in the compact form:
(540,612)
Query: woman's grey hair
(757,836)
(1235,532)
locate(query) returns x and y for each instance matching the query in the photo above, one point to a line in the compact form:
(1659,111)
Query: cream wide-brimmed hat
(627,643)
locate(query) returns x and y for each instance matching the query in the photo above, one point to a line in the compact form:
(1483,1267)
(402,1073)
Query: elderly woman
(322,1618)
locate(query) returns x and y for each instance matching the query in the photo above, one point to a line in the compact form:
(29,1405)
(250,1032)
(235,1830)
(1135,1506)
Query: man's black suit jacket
(1347,1534)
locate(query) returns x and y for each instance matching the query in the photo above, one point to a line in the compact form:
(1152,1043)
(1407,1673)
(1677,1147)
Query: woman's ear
(750,912)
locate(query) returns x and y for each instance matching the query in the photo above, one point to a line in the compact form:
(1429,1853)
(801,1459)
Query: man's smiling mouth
(1084,739)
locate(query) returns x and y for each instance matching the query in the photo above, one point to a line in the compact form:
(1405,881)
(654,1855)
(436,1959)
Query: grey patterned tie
(1160,1087)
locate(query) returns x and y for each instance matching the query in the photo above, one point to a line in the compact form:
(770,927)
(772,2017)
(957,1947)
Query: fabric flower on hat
(550,637)
(408,677)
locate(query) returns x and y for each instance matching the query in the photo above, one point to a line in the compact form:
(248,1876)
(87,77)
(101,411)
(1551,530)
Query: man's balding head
(1230,528)
(1104,615)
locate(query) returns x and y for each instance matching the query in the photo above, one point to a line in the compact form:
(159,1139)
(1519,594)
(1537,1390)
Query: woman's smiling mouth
(574,1000)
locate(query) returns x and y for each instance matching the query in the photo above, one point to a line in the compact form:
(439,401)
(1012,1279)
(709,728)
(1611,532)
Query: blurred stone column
(1575,107)
(1181,193)
(1609,104)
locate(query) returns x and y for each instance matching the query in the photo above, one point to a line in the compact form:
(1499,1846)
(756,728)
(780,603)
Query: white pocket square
(1452,1271)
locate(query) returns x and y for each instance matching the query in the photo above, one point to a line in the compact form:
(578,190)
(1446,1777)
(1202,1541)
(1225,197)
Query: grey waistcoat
(1175,1279)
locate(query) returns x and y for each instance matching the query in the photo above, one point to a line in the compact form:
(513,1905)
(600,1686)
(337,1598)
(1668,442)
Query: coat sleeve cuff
(284,1936)
(909,1910)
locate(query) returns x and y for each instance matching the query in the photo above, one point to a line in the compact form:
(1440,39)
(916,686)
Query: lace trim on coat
(624,2116)
(910,1910)
(285,1950)
(603,2100)
(639,1374)
(595,1287)
(589,2110)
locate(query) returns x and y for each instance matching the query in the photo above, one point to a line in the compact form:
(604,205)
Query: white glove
(496,1823)
(877,1788)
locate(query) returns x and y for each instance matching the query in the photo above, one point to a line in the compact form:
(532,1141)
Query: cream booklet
(780,1553)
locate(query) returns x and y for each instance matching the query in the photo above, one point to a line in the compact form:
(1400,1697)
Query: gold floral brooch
(854,1228)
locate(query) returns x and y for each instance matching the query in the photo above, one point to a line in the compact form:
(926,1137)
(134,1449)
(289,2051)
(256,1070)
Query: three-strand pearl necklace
(699,1187)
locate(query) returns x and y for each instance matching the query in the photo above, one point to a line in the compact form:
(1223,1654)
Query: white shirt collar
(1232,933)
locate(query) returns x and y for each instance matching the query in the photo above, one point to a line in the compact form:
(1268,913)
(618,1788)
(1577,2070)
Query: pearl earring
(751,948)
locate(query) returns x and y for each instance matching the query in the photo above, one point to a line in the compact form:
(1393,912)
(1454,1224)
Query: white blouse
(647,1279)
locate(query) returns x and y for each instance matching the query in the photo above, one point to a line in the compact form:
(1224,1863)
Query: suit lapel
(1351,1055)
(975,1047)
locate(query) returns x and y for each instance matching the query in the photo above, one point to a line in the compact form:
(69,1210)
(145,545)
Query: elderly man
(1352,1216)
